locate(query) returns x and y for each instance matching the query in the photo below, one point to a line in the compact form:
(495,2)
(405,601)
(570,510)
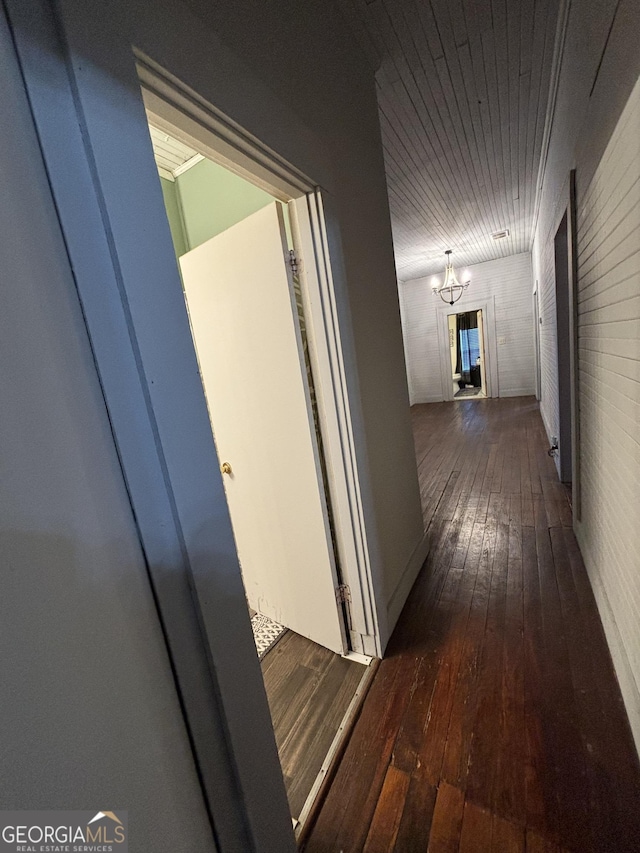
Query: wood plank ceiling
(463,87)
(172,156)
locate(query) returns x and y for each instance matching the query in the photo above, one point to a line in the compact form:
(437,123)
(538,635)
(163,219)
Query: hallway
(495,722)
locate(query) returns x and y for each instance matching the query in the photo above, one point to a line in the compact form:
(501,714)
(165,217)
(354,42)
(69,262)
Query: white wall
(509,282)
(596,130)
(609,383)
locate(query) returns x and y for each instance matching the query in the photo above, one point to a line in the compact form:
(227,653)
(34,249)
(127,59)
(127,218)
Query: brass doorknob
(225,468)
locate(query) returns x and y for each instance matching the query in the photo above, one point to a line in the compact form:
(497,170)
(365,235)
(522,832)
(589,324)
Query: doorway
(564,339)
(234,245)
(466,344)
(537,322)
(233,241)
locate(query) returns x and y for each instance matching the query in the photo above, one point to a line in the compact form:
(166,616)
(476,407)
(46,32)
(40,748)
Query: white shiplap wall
(509,280)
(609,393)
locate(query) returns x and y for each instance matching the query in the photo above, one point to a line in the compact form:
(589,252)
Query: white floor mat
(266,633)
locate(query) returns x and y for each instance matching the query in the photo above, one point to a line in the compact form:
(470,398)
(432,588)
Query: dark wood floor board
(495,723)
(490,470)
(575,627)
(537,843)
(388,814)
(459,557)
(515,509)
(476,832)
(562,732)
(411,731)
(276,663)
(415,824)
(345,820)
(472,465)
(481,766)
(539,791)
(308,740)
(515,539)
(523,462)
(309,690)
(446,823)
(508,793)
(532,447)
(564,512)
(289,693)
(464,699)
(606,738)
(478,477)
(527,511)
(506,837)
(499,467)
(551,507)
(447,659)
(601,662)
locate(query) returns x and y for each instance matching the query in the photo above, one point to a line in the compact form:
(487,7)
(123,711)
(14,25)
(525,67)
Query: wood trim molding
(174,106)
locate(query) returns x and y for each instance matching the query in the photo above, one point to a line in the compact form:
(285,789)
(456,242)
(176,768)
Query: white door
(243,317)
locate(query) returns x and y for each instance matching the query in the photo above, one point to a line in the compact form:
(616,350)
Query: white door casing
(242,310)
(483,368)
(490,355)
(313,218)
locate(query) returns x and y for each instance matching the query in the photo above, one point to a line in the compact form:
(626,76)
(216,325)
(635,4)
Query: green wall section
(174,215)
(206,200)
(213,199)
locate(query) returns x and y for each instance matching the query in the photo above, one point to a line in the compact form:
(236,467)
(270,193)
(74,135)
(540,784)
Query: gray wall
(90,715)
(592,134)
(509,282)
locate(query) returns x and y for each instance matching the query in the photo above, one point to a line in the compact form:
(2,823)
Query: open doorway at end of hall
(466,343)
(232,240)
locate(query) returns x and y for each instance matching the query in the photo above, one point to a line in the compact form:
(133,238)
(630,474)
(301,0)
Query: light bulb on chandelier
(451,289)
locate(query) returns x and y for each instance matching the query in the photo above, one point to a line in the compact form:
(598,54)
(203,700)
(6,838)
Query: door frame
(487,306)
(174,109)
(566,305)
(536,338)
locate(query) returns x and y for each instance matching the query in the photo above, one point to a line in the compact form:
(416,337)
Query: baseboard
(518,392)
(409,575)
(432,398)
(626,679)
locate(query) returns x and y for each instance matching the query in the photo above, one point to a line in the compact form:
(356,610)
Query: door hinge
(343,594)
(293,262)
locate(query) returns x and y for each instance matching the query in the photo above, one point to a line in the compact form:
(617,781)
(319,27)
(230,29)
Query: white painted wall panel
(509,281)
(609,389)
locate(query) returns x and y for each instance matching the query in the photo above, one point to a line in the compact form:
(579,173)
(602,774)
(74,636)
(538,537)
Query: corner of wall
(399,596)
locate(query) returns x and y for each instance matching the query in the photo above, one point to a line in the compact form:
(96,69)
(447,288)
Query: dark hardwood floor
(309,690)
(495,721)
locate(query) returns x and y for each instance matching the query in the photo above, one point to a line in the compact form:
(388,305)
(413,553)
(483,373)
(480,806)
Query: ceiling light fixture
(450,290)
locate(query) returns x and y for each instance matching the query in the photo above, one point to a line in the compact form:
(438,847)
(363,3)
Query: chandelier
(450,290)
